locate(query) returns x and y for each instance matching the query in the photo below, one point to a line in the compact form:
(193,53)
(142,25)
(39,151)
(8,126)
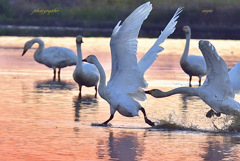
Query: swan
(52,57)
(191,64)
(234,75)
(126,82)
(216,90)
(85,74)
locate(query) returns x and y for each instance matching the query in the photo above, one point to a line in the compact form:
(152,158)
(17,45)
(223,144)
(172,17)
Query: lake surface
(43,120)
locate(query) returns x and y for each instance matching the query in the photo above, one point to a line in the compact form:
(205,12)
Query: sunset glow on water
(42,120)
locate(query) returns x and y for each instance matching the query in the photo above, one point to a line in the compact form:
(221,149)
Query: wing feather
(148,59)
(125,75)
(217,72)
(234,75)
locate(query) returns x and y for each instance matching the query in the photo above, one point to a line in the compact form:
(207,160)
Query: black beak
(148,92)
(79,42)
(84,60)
(24,51)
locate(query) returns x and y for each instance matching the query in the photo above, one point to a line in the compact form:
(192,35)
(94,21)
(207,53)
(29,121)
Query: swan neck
(79,52)
(39,49)
(102,82)
(40,45)
(180,90)
(186,49)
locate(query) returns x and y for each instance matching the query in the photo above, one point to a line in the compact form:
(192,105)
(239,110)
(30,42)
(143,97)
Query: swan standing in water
(191,64)
(216,91)
(126,82)
(84,74)
(52,57)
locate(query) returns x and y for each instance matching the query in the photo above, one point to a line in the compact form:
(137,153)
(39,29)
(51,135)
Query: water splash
(224,124)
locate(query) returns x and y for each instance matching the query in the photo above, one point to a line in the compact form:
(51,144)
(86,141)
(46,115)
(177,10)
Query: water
(42,119)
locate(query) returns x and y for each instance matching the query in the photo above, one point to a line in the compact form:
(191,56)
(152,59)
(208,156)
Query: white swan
(84,74)
(216,91)
(234,75)
(191,64)
(52,57)
(126,82)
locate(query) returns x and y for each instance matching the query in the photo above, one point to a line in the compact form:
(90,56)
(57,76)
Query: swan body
(216,91)
(85,74)
(52,57)
(234,75)
(191,64)
(126,82)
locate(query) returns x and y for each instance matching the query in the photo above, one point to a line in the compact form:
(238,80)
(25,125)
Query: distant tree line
(208,19)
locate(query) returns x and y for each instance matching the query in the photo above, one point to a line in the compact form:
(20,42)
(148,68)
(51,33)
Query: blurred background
(212,19)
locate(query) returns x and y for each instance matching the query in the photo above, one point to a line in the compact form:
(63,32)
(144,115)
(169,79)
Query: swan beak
(85,60)
(148,92)
(79,41)
(184,29)
(24,51)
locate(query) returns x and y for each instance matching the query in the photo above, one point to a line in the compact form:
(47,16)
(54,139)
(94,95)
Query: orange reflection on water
(42,119)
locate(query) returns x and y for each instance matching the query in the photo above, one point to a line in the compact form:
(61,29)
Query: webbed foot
(211,113)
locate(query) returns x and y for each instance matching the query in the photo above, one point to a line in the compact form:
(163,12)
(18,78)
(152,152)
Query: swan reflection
(219,148)
(54,85)
(86,102)
(122,145)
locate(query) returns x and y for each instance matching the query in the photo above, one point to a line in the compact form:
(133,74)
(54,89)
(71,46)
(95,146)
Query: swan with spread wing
(126,82)
(216,91)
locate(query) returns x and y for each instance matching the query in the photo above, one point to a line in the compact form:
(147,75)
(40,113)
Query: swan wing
(125,75)
(148,59)
(217,72)
(234,75)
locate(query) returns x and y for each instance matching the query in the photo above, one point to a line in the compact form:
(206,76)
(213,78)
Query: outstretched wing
(125,72)
(148,59)
(234,75)
(217,72)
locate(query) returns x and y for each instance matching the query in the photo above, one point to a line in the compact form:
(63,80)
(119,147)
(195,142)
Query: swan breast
(195,66)
(87,76)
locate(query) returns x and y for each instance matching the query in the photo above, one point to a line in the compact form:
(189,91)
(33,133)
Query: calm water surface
(42,119)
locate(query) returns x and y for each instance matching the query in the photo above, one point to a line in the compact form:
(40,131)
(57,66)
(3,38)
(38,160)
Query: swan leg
(54,74)
(146,119)
(59,71)
(110,118)
(80,93)
(96,91)
(199,82)
(190,80)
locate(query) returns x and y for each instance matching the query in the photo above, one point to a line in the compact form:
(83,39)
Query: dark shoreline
(197,32)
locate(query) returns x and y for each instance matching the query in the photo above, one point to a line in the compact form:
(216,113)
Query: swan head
(27,46)
(209,51)
(90,59)
(79,39)
(186,29)
(155,93)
